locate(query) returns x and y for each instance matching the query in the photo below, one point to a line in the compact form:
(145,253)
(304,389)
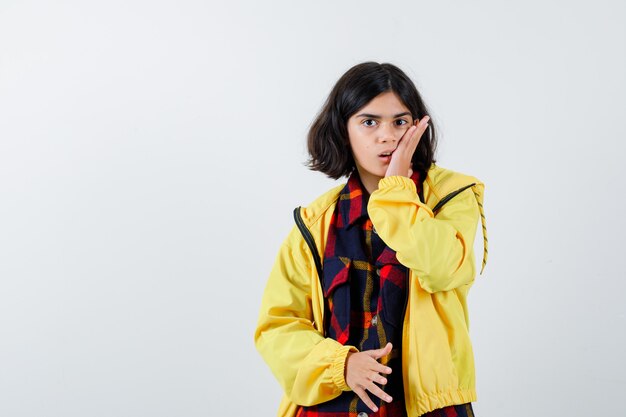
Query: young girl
(364,312)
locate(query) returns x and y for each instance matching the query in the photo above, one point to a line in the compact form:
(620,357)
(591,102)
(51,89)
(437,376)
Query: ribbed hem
(397,181)
(338,366)
(429,402)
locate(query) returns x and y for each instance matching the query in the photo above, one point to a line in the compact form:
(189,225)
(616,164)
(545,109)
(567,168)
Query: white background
(152,152)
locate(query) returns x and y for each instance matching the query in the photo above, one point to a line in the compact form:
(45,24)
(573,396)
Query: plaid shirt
(365,286)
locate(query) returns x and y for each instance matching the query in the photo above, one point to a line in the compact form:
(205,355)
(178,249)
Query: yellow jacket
(436,246)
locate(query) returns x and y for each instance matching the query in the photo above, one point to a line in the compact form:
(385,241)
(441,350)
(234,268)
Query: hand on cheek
(400,163)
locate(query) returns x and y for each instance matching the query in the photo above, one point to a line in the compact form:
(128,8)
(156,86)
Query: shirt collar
(353,199)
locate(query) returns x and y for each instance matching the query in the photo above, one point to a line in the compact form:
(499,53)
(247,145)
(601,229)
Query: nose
(387,133)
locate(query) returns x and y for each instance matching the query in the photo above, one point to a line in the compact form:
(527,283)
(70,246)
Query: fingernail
(388,399)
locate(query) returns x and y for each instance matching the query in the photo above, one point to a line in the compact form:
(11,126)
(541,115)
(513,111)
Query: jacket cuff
(397,181)
(339,365)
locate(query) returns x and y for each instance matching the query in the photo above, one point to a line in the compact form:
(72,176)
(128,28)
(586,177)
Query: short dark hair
(327,140)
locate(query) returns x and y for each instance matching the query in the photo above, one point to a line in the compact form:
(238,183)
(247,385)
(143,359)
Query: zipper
(403,347)
(450,196)
(309,240)
(306,233)
(406,296)
(406,302)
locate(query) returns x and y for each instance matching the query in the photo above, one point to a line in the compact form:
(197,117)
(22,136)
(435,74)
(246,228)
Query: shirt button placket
(362,414)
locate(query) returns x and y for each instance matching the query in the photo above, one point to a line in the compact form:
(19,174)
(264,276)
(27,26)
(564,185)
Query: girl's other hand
(400,163)
(363,369)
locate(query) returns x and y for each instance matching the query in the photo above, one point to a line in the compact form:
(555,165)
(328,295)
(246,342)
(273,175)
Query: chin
(377,173)
(376,170)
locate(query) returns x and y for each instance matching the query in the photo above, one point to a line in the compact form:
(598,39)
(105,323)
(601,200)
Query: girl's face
(374,129)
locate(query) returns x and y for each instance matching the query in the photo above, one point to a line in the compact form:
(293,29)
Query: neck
(370,182)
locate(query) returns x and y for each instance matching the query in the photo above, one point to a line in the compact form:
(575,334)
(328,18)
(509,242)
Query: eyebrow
(375,116)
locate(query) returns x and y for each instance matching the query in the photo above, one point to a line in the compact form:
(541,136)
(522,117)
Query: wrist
(339,365)
(345,368)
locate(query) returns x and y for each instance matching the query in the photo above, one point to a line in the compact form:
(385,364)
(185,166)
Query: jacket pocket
(392,275)
(337,291)
(336,273)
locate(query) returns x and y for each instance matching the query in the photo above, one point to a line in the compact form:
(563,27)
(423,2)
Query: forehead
(386,104)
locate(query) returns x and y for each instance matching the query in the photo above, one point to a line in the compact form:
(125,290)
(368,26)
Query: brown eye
(368,120)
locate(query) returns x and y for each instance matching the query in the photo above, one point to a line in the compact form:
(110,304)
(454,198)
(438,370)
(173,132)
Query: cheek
(360,147)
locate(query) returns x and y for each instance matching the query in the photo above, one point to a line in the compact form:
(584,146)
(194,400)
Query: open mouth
(388,152)
(385,156)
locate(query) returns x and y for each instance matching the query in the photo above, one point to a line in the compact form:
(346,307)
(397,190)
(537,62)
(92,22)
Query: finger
(375,389)
(376,377)
(408,134)
(416,136)
(378,367)
(422,121)
(421,128)
(365,398)
(379,353)
(386,350)
(415,131)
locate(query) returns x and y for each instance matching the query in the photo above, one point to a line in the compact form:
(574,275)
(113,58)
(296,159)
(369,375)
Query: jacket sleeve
(308,366)
(439,249)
